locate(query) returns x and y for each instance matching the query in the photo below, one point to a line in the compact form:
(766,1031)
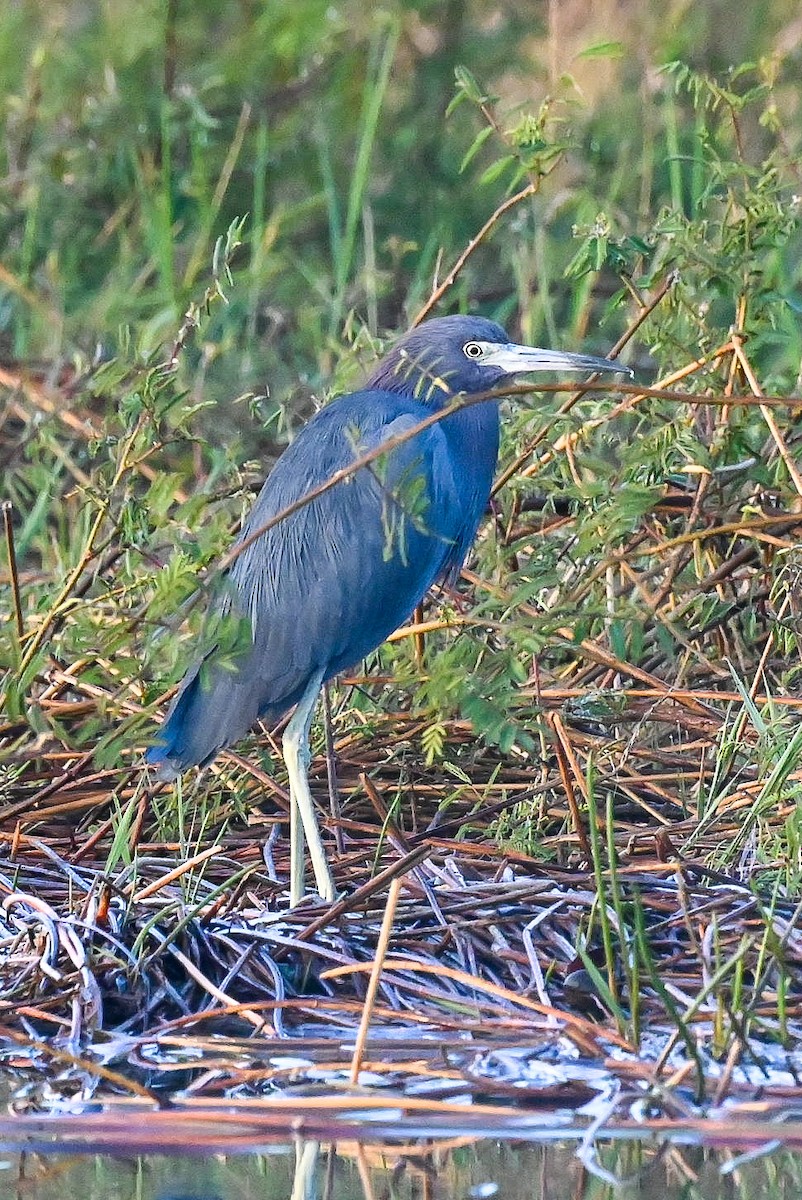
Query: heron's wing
(324,586)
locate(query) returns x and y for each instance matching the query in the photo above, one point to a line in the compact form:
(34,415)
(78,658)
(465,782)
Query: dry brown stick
(401,867)
(278,794)
(632,397)
(375,976)
(11,552)
(492,220)
(97,836)
(419,636)
(733,1058)
(574,1025)
(135,834)
(363,1169)
(156,885)
(767,414)
(568,765)
(657,696)
(728,528)
(450,620)
(658,391)
(603,658)
(399,842)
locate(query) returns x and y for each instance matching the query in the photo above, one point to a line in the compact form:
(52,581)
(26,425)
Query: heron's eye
(472,350)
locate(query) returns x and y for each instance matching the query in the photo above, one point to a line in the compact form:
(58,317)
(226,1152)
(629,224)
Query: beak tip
(620,368)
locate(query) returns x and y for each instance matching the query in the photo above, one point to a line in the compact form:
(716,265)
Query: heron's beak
(518,360)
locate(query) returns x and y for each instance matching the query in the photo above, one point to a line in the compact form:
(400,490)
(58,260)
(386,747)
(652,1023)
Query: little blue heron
(324,587)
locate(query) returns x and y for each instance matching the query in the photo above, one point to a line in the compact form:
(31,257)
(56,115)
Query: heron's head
(447,355)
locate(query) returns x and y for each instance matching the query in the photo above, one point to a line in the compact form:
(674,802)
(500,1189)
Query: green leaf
(604,50)
(497,169)
(476,146)
(468,84)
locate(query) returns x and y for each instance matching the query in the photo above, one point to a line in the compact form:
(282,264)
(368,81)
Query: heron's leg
(296,756)
(304,1184)
(297,845)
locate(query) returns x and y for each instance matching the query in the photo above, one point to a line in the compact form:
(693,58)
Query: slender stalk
(493,220)
(200,249)
(11,554)
(331,771)
(768,416)
(601,897)
(375,975)
(87,554)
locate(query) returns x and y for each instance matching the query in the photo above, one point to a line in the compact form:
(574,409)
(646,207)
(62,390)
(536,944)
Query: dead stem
(11,554)
(375,975)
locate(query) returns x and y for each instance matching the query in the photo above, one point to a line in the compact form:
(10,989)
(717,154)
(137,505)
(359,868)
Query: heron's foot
(309,896)
(325,884)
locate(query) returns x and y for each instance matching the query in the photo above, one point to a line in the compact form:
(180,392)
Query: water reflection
(461,1170)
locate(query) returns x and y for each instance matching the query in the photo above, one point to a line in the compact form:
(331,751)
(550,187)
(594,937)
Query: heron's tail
(176,748)
(212,709)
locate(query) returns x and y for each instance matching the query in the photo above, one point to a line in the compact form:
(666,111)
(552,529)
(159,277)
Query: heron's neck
(417,379)
(472,431)
(473,435)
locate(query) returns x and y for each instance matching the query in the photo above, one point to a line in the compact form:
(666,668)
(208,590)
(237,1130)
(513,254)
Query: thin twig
(566,761)
(439,291)
(768,416)
(331,771)
(375,975)
(90,549)
(11,553)
(156,885)
(377,884)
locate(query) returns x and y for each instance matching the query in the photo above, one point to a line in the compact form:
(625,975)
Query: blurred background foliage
(134,134)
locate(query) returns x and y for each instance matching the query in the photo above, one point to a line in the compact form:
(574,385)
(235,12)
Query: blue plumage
(324,587)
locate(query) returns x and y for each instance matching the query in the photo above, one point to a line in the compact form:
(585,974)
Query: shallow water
(482,1170)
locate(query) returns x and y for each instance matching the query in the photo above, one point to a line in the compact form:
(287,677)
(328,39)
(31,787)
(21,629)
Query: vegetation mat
(625,969)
